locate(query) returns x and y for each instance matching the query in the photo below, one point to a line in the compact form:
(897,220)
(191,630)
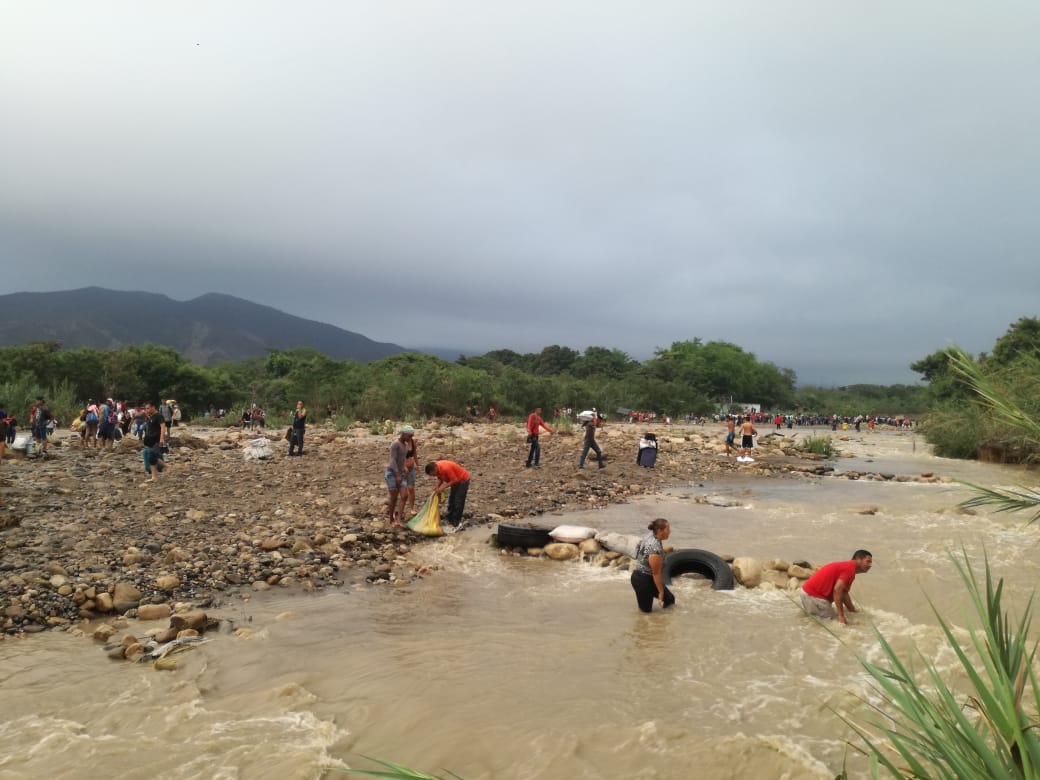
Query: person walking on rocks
(451,475)
(299,426)
(107,424)
(826,593)
(396,473)
(590,442)
(648,576)
(40,420)
(747,441)
(534,425)
(154,441)
(90,425)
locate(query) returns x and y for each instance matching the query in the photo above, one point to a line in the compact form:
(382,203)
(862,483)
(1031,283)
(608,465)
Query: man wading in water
(826,593)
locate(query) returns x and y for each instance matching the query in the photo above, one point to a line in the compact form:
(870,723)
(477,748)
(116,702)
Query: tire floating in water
(522,536)
(701,562)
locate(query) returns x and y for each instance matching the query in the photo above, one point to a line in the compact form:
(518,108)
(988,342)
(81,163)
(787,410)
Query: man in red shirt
(534,424)
(826,593)
(451,475)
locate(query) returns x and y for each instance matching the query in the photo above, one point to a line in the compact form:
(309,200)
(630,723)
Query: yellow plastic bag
(428,521)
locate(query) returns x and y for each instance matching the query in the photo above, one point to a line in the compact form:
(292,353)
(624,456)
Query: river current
(502,667)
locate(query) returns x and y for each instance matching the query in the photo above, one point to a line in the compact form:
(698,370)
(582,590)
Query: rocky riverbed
(82,536)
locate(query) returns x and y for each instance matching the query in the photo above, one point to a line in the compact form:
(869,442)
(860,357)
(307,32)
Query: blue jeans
(585,453)
(296,440)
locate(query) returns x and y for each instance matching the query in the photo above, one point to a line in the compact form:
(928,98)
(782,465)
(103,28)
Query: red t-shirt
(534,423)
(449,471)
(821,584)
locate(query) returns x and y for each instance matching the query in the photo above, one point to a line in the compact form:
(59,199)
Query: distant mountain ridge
(212,328)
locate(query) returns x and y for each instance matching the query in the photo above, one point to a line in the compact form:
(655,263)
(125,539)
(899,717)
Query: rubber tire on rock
(701,562)
(522,536)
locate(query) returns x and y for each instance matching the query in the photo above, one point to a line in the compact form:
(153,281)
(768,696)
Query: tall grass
(819,445)
(18,395)
(926,729)
(394,772)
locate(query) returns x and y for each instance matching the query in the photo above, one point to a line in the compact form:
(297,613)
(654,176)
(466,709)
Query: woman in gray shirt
(647,578)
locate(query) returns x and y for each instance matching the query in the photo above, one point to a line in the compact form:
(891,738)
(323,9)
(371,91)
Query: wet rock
(153,611)
(747,571)
(799,572)
(125,596)
(168,582)
(561,551)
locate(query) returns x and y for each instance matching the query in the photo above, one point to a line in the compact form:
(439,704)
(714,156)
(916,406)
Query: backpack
(91,415)
(112,418)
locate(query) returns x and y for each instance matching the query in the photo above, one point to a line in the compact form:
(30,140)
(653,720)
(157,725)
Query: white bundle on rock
(623,543)
(572,533)
(258,449)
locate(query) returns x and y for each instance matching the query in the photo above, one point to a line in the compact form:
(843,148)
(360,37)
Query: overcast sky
(838,187)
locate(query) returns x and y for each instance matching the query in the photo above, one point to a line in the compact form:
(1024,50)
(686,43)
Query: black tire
(700,562)
(522,536)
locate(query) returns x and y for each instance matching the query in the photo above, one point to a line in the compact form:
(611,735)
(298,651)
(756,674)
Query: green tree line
(958,425)
(688,377)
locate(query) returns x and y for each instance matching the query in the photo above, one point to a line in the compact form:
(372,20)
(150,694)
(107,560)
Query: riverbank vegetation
(980,407)
(689,377)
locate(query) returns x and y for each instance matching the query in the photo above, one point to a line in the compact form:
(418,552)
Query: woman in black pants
(647,579)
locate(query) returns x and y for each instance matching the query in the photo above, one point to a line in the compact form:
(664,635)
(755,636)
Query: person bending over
(451,475)
(826,594)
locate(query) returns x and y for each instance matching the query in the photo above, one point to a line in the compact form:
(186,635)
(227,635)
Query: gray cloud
(839,190)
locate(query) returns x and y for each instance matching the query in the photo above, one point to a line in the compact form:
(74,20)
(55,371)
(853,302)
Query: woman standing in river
(648,576)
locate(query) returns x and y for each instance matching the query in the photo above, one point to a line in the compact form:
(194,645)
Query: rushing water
(500,667)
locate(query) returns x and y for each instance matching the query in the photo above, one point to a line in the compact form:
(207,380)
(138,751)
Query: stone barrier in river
(617,551)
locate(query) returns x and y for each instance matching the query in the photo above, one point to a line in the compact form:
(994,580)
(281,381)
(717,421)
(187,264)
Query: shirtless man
(731,433)
(747,441)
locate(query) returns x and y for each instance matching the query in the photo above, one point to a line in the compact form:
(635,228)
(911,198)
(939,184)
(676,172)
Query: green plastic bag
(428,521)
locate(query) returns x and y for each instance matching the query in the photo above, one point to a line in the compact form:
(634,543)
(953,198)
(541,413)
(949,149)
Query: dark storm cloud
(838,190)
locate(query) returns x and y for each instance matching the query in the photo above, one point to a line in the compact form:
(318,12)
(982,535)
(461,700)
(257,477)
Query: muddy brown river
(502,667)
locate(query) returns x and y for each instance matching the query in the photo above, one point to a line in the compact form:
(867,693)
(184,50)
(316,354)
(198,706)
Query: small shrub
(819,445)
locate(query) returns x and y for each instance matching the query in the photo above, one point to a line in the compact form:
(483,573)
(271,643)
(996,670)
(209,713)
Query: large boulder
(747,571)
(562,551)
(125,596)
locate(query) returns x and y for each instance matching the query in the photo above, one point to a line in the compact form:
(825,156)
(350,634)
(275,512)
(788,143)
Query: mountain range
(213,328)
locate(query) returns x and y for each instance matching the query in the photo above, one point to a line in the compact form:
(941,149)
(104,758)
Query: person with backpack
(299,425)
(41,419)
(90,425)
(166,410)
(107,421)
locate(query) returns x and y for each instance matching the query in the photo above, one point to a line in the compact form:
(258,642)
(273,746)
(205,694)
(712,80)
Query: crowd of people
(825,594)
